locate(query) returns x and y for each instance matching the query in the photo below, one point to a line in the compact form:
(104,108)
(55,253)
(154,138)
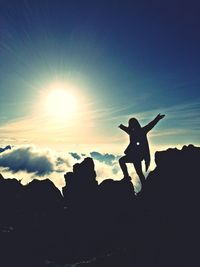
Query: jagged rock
(159,227)
(81,185)
(11,192)
(171,201)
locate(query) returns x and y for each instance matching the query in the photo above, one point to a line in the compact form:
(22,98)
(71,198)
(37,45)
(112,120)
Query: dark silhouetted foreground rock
(107,224)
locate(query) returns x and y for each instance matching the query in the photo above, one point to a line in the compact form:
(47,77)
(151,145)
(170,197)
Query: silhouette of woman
(138,149)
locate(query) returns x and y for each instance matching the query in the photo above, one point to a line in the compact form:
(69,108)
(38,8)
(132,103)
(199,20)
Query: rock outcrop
(106,224)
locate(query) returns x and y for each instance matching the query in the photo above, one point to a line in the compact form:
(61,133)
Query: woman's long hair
(134,123)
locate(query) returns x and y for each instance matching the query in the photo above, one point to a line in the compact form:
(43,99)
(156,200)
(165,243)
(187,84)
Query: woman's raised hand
(160,116)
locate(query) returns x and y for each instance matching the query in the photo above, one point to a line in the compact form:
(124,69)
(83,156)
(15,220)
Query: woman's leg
(138,168)
(122,162)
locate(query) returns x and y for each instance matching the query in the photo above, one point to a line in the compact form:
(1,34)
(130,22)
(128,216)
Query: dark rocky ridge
(105,225)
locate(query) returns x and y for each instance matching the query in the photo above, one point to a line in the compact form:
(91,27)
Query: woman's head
(134,123)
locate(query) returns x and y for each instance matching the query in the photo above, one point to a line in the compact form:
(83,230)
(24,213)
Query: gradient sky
(120,58)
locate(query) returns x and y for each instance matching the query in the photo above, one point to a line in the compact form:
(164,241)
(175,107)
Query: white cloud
(29,162)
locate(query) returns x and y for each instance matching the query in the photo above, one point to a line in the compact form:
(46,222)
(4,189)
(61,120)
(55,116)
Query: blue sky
(120,58)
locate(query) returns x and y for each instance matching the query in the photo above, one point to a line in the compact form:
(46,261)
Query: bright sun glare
(61,103)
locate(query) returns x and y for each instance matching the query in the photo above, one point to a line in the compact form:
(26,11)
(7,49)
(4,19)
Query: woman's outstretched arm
(151,124)
(124,128)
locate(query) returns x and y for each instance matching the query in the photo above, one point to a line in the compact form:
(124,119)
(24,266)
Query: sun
(61,103)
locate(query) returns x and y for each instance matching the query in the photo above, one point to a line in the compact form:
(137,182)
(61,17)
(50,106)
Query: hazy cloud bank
(27,159)
(30,162)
